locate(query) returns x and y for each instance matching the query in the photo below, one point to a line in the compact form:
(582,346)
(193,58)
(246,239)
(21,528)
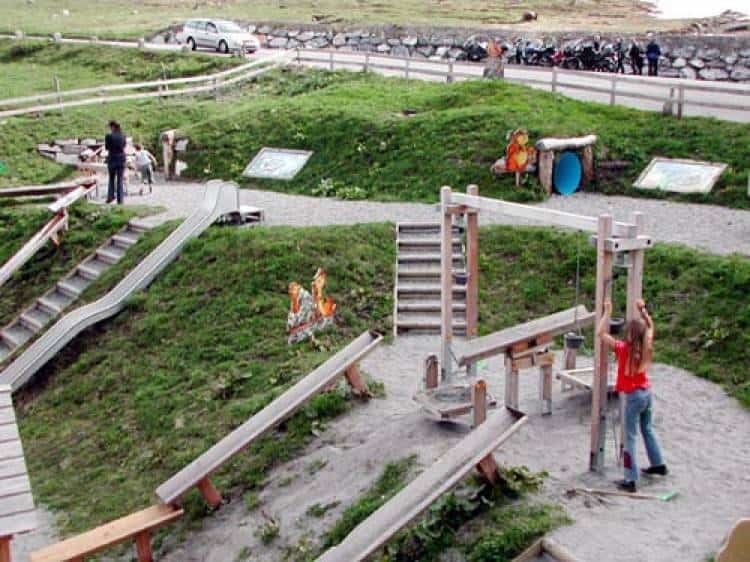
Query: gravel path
(715,229)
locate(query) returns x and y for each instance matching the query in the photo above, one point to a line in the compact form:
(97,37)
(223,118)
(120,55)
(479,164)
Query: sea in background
(675,9)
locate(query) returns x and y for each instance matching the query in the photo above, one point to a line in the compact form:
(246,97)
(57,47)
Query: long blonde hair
(635,335)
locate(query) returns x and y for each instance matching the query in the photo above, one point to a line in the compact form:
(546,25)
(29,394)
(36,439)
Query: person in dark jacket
(653,52)
(114,143)
(636,57)
(621,54)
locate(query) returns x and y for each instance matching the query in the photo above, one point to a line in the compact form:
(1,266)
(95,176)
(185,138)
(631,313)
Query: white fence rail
(162,88)
(608,87)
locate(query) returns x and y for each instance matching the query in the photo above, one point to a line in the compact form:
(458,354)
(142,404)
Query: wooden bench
(138,526)
(197,473)
(16,502)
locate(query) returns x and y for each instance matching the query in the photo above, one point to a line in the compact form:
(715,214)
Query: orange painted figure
(519,155)
(309,313)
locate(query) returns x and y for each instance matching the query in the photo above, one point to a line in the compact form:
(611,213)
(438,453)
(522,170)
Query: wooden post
(681,102)
(446,283)
(298,58)
(5,549)
(209,493)
(366,68)
(546,167)
(613,90)
(56,80)
(511,383)
(431,372)
(330,55)
(472,268)
(143,547)
(545,388)
(570,356)
(354,379)
(601,360)
(587,162)
(479,402)
(449,79)
(554,79)
(406,71)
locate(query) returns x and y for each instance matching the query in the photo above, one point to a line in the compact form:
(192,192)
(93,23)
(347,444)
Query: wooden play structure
(197,473)
(473,451)
(527,345)
(50,231)
(17,514)
(547,550)
(737,546)
(549,148)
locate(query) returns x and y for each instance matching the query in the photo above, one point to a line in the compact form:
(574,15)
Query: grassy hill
(135,399)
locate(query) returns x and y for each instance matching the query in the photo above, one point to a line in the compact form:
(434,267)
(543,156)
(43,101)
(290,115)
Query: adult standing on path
(653,52)
(114,143)
(636,58)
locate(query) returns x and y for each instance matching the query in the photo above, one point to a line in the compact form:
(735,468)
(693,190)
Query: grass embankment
(89,226)
(29,67)
(367,148)
(481,522)
(124,18)
(134,400)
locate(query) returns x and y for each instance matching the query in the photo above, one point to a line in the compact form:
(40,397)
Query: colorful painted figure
(519,155)
(309,313)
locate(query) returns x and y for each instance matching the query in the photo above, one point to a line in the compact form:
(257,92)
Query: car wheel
(191,44)
(223,47)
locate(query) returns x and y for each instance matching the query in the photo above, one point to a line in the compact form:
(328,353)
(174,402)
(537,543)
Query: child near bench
(145,163)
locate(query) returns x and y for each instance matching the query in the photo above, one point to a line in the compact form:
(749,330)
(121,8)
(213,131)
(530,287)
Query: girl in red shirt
(634,356)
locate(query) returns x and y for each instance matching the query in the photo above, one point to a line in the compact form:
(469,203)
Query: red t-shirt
(625,383)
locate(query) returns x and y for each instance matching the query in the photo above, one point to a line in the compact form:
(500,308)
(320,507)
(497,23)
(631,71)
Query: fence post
(299,61)
(331,59)
(554,79)
(449,79)
(681,102)
(407,69)
(613,91)
(366,67)
(56,81)
(216,88)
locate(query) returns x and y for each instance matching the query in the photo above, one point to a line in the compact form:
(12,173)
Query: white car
(222,35)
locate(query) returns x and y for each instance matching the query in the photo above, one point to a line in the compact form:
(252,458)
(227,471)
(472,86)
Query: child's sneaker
(626,486)
(660,470)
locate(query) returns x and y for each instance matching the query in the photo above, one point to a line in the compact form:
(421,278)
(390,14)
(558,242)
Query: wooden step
(427,306)
(110,254)
(417,244)
(138,228)
(5,349)
(427,288)
(74,285)
(16,335)
(427,257)
(92,269)
(124,240)
(39,316)
(55,302)
(30,322)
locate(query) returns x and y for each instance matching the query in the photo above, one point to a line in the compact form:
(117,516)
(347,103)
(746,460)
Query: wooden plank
(107,535)
(10,505)
(11,450)
(9,432)
(531,553)
(446,284)
(439,478)
(7,415)
(268,418)
(472,268)
(12,467)
(13,486)
(6,399)
(68,199)
(547,216)
(42,190)
(498,342)
(18,523)
(640,242)
(604,261)
(545,388)
(5,549)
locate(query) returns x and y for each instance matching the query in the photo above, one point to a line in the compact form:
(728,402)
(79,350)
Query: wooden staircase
(417,298)
(46,308)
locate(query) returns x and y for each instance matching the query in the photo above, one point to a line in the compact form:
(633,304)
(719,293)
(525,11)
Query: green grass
(29,67)
(137,398)
(89,226)
(124,18)
(699,302)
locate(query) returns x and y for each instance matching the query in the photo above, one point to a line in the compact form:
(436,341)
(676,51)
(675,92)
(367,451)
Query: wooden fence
(555,79)
(210,83)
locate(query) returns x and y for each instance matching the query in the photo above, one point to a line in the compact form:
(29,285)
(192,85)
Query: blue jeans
(638,411)
(116,171)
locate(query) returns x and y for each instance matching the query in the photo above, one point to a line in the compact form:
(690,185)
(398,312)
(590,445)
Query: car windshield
(229,27)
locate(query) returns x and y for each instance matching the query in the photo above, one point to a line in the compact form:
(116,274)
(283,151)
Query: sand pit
(705,436)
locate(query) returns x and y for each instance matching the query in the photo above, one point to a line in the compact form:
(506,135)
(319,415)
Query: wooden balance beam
(473,451)
(197,473)
(138,526)
(548,548)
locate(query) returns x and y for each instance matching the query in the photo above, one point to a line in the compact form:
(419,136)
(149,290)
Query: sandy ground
(704,434)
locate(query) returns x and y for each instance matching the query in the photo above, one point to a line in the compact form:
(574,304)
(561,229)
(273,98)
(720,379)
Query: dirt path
(704,435)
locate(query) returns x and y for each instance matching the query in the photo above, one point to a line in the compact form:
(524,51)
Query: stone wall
(702,57)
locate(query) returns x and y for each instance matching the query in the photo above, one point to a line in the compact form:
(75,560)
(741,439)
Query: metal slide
(405,506)
(220,198)
(269,417)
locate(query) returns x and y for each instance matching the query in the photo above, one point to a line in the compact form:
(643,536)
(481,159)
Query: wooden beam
(511,384)
(546,168)
(209,493)
(545,388)
(446,282)
(143,547)
(601,360)
(5,549)
(548,216)
(640,242)
(354,378)
(479,402)
(431,379)
(472,267)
